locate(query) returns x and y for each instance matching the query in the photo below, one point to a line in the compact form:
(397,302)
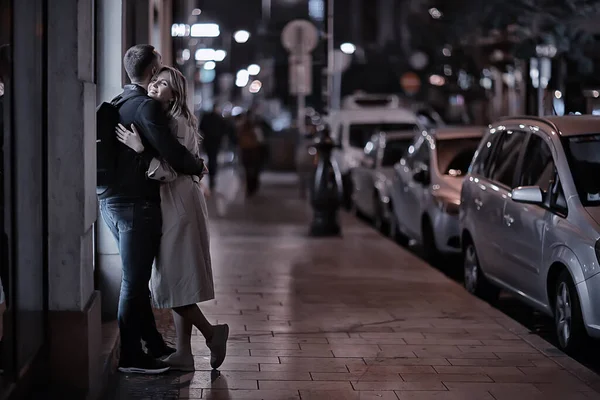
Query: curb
(580,371)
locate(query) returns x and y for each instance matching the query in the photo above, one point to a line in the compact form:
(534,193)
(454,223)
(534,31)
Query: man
(212,128)
(131,209)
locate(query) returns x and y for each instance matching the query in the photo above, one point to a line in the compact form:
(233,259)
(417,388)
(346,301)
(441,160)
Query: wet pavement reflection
(349,318)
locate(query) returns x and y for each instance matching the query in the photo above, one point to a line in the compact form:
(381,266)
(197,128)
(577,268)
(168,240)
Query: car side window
(486,150)
(538,165)
(557,199)
(413,149)
(506,155)
(421,157)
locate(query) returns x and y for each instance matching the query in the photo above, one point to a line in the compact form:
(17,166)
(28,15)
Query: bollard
(326,190)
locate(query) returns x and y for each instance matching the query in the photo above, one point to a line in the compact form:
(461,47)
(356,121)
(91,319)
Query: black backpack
(107,119)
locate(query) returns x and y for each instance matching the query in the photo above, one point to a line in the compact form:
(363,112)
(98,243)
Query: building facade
(60,58)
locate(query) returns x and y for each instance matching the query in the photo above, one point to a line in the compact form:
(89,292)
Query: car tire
(378,220)
(347,189)
(394,229)
(353,209)
(568,320)
(474,280)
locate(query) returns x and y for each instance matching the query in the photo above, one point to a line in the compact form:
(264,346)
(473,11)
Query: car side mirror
(528,195)
(422,176)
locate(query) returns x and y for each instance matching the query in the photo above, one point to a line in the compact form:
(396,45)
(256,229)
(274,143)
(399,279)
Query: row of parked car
(519,200)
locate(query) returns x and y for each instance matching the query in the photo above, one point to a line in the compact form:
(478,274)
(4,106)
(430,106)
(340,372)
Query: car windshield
(454,155)
(360,134)
(394,150)
(583,155)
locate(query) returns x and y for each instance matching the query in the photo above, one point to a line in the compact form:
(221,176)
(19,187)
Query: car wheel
(378,220)
(347,189)
(353,209)
(432,254)
(475,281)
(568,320)
(394,229)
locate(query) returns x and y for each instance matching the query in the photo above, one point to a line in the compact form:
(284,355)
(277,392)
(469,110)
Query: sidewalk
(350,318)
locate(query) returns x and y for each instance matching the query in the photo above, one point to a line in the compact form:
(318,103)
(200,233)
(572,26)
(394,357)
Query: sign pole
(341,62)
(301,112)
(330,54)
(301,100)
(300,37)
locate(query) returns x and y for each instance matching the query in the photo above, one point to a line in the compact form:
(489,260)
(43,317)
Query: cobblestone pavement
(351,318)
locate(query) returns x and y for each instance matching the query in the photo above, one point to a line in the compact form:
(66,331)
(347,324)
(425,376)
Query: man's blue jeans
(136,225)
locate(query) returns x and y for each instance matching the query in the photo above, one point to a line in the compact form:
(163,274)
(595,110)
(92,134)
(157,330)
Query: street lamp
(205,30)
(180,30)
(241,36)
(209,65)
(205,55)
(348,48)
(253,69)
(242,78)
(210,55)
(255,86)
(220,55)
(435,13)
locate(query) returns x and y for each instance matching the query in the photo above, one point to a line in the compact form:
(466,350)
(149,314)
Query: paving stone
(345,318)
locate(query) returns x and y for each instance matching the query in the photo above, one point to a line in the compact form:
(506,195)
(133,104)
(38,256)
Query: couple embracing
(156,211)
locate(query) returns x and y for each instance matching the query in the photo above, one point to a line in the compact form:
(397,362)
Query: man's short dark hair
(137,60)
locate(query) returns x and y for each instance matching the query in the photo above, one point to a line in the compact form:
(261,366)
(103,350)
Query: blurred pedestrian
(250,141)
(213,127)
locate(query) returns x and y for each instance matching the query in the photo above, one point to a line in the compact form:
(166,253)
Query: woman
(182,275)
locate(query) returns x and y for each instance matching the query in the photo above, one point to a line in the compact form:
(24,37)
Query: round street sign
(299,36)
(410,82)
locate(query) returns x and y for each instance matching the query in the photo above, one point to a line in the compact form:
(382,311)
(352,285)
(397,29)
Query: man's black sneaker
(160,352)
(144,364)
(218,345)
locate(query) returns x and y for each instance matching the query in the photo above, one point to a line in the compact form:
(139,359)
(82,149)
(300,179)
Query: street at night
(300,199)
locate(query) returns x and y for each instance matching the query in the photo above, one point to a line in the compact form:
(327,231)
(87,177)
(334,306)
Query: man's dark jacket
(154,128)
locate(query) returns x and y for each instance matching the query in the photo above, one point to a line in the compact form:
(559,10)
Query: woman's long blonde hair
(178,108)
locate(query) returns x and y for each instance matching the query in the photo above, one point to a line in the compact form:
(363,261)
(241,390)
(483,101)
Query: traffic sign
(410,82)
(299,36)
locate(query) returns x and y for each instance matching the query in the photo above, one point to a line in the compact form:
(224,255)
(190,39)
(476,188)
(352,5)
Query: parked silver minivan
(530,219)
